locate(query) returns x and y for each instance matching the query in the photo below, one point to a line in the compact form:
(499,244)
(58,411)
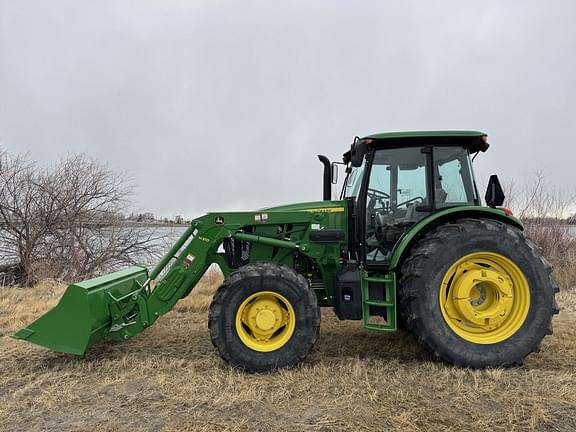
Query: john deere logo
(219,220)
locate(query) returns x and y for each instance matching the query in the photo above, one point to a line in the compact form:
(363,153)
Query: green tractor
(408,245)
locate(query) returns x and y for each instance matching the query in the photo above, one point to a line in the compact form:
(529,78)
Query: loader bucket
(82,317)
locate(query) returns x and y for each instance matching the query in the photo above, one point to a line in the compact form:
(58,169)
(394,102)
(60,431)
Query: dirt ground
(170,378)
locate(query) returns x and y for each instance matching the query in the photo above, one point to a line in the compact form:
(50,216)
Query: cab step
(378,302)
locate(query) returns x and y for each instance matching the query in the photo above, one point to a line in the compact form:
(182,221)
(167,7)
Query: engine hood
(313,206)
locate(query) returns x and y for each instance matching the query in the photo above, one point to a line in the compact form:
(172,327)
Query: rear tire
(264,317)
(512,286)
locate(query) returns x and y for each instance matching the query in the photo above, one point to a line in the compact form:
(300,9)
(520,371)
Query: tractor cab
(396,179)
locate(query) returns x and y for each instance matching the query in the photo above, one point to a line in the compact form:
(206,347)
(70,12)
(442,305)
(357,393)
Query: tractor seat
(412,215)
(440,195)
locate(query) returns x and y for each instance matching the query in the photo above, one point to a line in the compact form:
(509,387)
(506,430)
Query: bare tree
(66,221)
(545,210)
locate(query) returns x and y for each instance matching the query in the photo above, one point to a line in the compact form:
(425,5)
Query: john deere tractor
(408,244)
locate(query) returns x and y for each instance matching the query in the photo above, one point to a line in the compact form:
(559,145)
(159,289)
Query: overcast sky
(213,105)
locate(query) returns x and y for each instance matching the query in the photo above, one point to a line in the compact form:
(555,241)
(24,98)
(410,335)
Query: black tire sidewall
(301,341)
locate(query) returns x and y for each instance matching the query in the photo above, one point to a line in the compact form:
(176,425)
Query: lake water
(165,237)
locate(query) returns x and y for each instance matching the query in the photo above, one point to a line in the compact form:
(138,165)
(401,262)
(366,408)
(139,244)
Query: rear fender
(441,217)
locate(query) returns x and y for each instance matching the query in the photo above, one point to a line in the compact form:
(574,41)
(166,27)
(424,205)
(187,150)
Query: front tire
(477,293)
(264,317)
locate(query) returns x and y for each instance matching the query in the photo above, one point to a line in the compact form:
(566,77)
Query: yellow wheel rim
(265,321)
(484,297)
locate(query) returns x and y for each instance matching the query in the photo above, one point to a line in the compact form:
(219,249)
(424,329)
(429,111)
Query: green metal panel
(445,215)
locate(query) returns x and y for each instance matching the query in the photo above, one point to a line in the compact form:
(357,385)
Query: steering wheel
(410,200)
(375,193)
(373,196)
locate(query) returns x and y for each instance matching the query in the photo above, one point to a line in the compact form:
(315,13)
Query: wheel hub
(265,321)
(484,297)
(477,295)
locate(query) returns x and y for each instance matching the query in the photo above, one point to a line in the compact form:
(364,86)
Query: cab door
(395,197)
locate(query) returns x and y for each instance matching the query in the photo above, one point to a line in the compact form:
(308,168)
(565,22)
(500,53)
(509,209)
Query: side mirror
(494,194)
(357,152)
(334,173)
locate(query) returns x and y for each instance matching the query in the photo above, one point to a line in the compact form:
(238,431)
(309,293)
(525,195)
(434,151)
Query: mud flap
(83,317)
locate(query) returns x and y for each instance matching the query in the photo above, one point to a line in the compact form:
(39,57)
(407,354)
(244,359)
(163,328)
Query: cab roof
(472,140)
(426,134)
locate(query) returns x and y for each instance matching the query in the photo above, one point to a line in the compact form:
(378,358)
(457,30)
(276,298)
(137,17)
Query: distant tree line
(149,217)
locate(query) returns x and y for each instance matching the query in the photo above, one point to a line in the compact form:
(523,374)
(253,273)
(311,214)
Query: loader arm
(122,304)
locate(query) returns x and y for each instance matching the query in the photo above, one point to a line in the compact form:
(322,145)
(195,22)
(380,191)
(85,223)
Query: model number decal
(326,210)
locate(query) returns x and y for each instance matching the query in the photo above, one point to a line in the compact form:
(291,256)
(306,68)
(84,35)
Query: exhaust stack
(327,182)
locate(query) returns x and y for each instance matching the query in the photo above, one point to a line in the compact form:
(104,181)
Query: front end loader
(408,244)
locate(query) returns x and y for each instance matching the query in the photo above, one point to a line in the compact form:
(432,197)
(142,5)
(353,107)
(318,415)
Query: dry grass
(169,378)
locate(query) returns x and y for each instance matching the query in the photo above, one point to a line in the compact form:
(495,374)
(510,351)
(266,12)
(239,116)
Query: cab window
(453,177)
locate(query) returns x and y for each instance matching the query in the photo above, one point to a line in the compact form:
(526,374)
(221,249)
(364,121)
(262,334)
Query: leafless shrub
(66,221)
(544,210)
